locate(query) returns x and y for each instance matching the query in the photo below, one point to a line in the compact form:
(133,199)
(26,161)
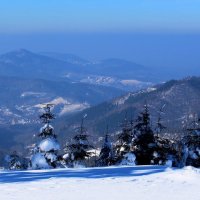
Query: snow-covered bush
(15,162)
(128,159)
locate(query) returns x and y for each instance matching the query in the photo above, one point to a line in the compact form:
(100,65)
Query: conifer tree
(78,150)
(163,153)
(144,143)
(192,143)
(123,147)
(46,150)
(106,156)
(159,126)
(181,153)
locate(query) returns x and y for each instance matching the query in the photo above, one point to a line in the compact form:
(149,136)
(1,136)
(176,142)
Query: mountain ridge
(24,63)
(180,97)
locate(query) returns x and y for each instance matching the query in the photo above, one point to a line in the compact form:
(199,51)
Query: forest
(138,143)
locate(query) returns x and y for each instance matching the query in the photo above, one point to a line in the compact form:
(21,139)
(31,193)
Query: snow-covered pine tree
(123,148)
(78,151)
(46,150)
(106,156)
(144,143)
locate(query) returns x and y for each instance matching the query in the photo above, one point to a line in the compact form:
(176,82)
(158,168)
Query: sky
(151,32)
(99,15)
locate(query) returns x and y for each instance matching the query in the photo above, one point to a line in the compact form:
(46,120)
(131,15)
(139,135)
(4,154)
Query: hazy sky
(99,15)
(153,32)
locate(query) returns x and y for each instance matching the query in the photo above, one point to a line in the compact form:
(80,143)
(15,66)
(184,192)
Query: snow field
(109,183)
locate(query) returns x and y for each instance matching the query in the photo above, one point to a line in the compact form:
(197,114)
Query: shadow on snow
(104,172)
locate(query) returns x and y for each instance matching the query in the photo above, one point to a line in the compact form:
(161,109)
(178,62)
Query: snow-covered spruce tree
(123,147)
(187,146)
(14,162)
(144,143)
(163,152)
(106,156)
(181,153)
(78,151)
(46,150)
(192,142)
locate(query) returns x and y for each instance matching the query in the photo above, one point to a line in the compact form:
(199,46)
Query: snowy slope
(113,183)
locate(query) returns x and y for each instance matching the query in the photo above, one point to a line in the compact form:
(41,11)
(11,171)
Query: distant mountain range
(181,99)
(111,72)
(70,58)
(72,83)
(21,99)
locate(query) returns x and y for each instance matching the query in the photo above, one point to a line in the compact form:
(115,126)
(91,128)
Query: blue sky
(160,33)
(99,16)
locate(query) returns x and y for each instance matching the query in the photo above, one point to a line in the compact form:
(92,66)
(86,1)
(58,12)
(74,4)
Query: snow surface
(33,94)
(122,100)
(131,82)
(46,126)
(111,183)
(39,161)
(68,106)
(49,144)
(116,82)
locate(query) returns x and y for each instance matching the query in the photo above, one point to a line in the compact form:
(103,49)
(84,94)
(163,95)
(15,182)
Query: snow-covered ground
(112,183)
